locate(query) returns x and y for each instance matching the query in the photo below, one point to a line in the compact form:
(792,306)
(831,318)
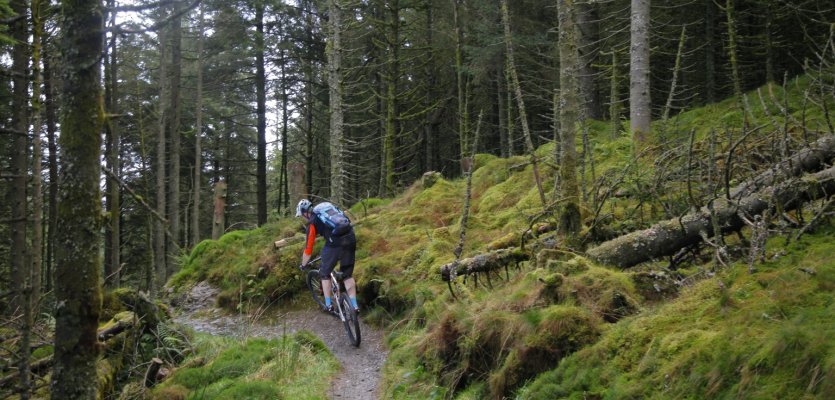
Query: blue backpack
(333,217)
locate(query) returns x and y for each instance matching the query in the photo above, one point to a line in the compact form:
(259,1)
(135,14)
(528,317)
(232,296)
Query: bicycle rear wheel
(352,322)
(314,284)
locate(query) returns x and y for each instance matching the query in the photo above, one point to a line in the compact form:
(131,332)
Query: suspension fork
(336,298)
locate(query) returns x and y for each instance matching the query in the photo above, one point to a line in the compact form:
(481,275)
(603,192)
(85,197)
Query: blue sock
(354,302)
(327,301)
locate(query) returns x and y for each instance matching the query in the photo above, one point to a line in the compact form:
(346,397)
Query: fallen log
(486,262)
(120,323)
(667,237)
(35,367)
(288,241)
(815,157)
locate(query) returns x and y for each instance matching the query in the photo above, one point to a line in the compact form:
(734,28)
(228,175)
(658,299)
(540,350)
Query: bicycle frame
(336,290)
(339,299)
(335,295)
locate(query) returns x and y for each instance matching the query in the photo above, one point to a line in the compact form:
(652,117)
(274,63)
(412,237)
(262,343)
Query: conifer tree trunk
(676,71)
(391,78)
(50,116)
(310,78)
(511,122)
(710,66)
(173,133)
(769,43)
(284,187)
(112,277)
(337,186)
(587,38)
(261,110)
(640,112)
(614,96)
(160,166)
(569,221)
(520,100)
(198,136)
(729,14)
(77,290)
(463,120)
(380,84)
(17,192)
(504,142)
(219,215)
(37,156)
(430,78)
(148,269)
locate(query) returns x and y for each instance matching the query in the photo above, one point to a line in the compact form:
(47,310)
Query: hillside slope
(559,325)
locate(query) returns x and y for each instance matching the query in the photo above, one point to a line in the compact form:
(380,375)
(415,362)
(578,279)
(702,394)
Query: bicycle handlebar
(315,260)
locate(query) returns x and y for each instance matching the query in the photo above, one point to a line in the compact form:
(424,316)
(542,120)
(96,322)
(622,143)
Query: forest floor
(361,367)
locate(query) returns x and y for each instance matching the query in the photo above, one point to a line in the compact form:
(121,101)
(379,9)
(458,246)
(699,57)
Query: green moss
(773,340)
(43,351)
(173,392)
(244,265)
(361,208)
(311,341)
(255,390)
(136,390)
(292,367)
(560,330)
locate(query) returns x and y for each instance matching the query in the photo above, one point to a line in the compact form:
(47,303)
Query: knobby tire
(314,284)
(352,322)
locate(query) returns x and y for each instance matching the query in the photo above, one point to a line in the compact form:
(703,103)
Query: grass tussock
(491,342)
(294,367)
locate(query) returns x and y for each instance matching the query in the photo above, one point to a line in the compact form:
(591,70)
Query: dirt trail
(359,377)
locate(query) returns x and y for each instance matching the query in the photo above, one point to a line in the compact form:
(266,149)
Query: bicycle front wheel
(352,322)
(314,284)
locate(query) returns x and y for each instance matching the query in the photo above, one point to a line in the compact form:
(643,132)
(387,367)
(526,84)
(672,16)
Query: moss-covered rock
(430,178)
(655,285)
(551,287)
(547,258)
(127,299)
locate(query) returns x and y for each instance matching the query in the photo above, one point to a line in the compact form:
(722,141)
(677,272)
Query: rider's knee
(347,271)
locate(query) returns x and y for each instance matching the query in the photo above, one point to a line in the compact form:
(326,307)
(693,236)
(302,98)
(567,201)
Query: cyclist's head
(302,207)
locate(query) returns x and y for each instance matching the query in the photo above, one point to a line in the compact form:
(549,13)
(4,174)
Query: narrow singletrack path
(359,377)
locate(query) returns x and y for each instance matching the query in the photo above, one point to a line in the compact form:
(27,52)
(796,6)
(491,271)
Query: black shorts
(343,251)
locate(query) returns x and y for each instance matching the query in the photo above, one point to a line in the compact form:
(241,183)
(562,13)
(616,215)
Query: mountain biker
(339,247)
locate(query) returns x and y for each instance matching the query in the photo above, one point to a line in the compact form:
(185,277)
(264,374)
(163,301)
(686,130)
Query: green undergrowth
(296,366)
(488,343)
(244,265)
(737,335)
(608,333)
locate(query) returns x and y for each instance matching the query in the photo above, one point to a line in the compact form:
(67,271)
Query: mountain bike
(343,308)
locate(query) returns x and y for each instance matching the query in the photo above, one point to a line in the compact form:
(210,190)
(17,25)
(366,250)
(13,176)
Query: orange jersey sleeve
(311,238)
